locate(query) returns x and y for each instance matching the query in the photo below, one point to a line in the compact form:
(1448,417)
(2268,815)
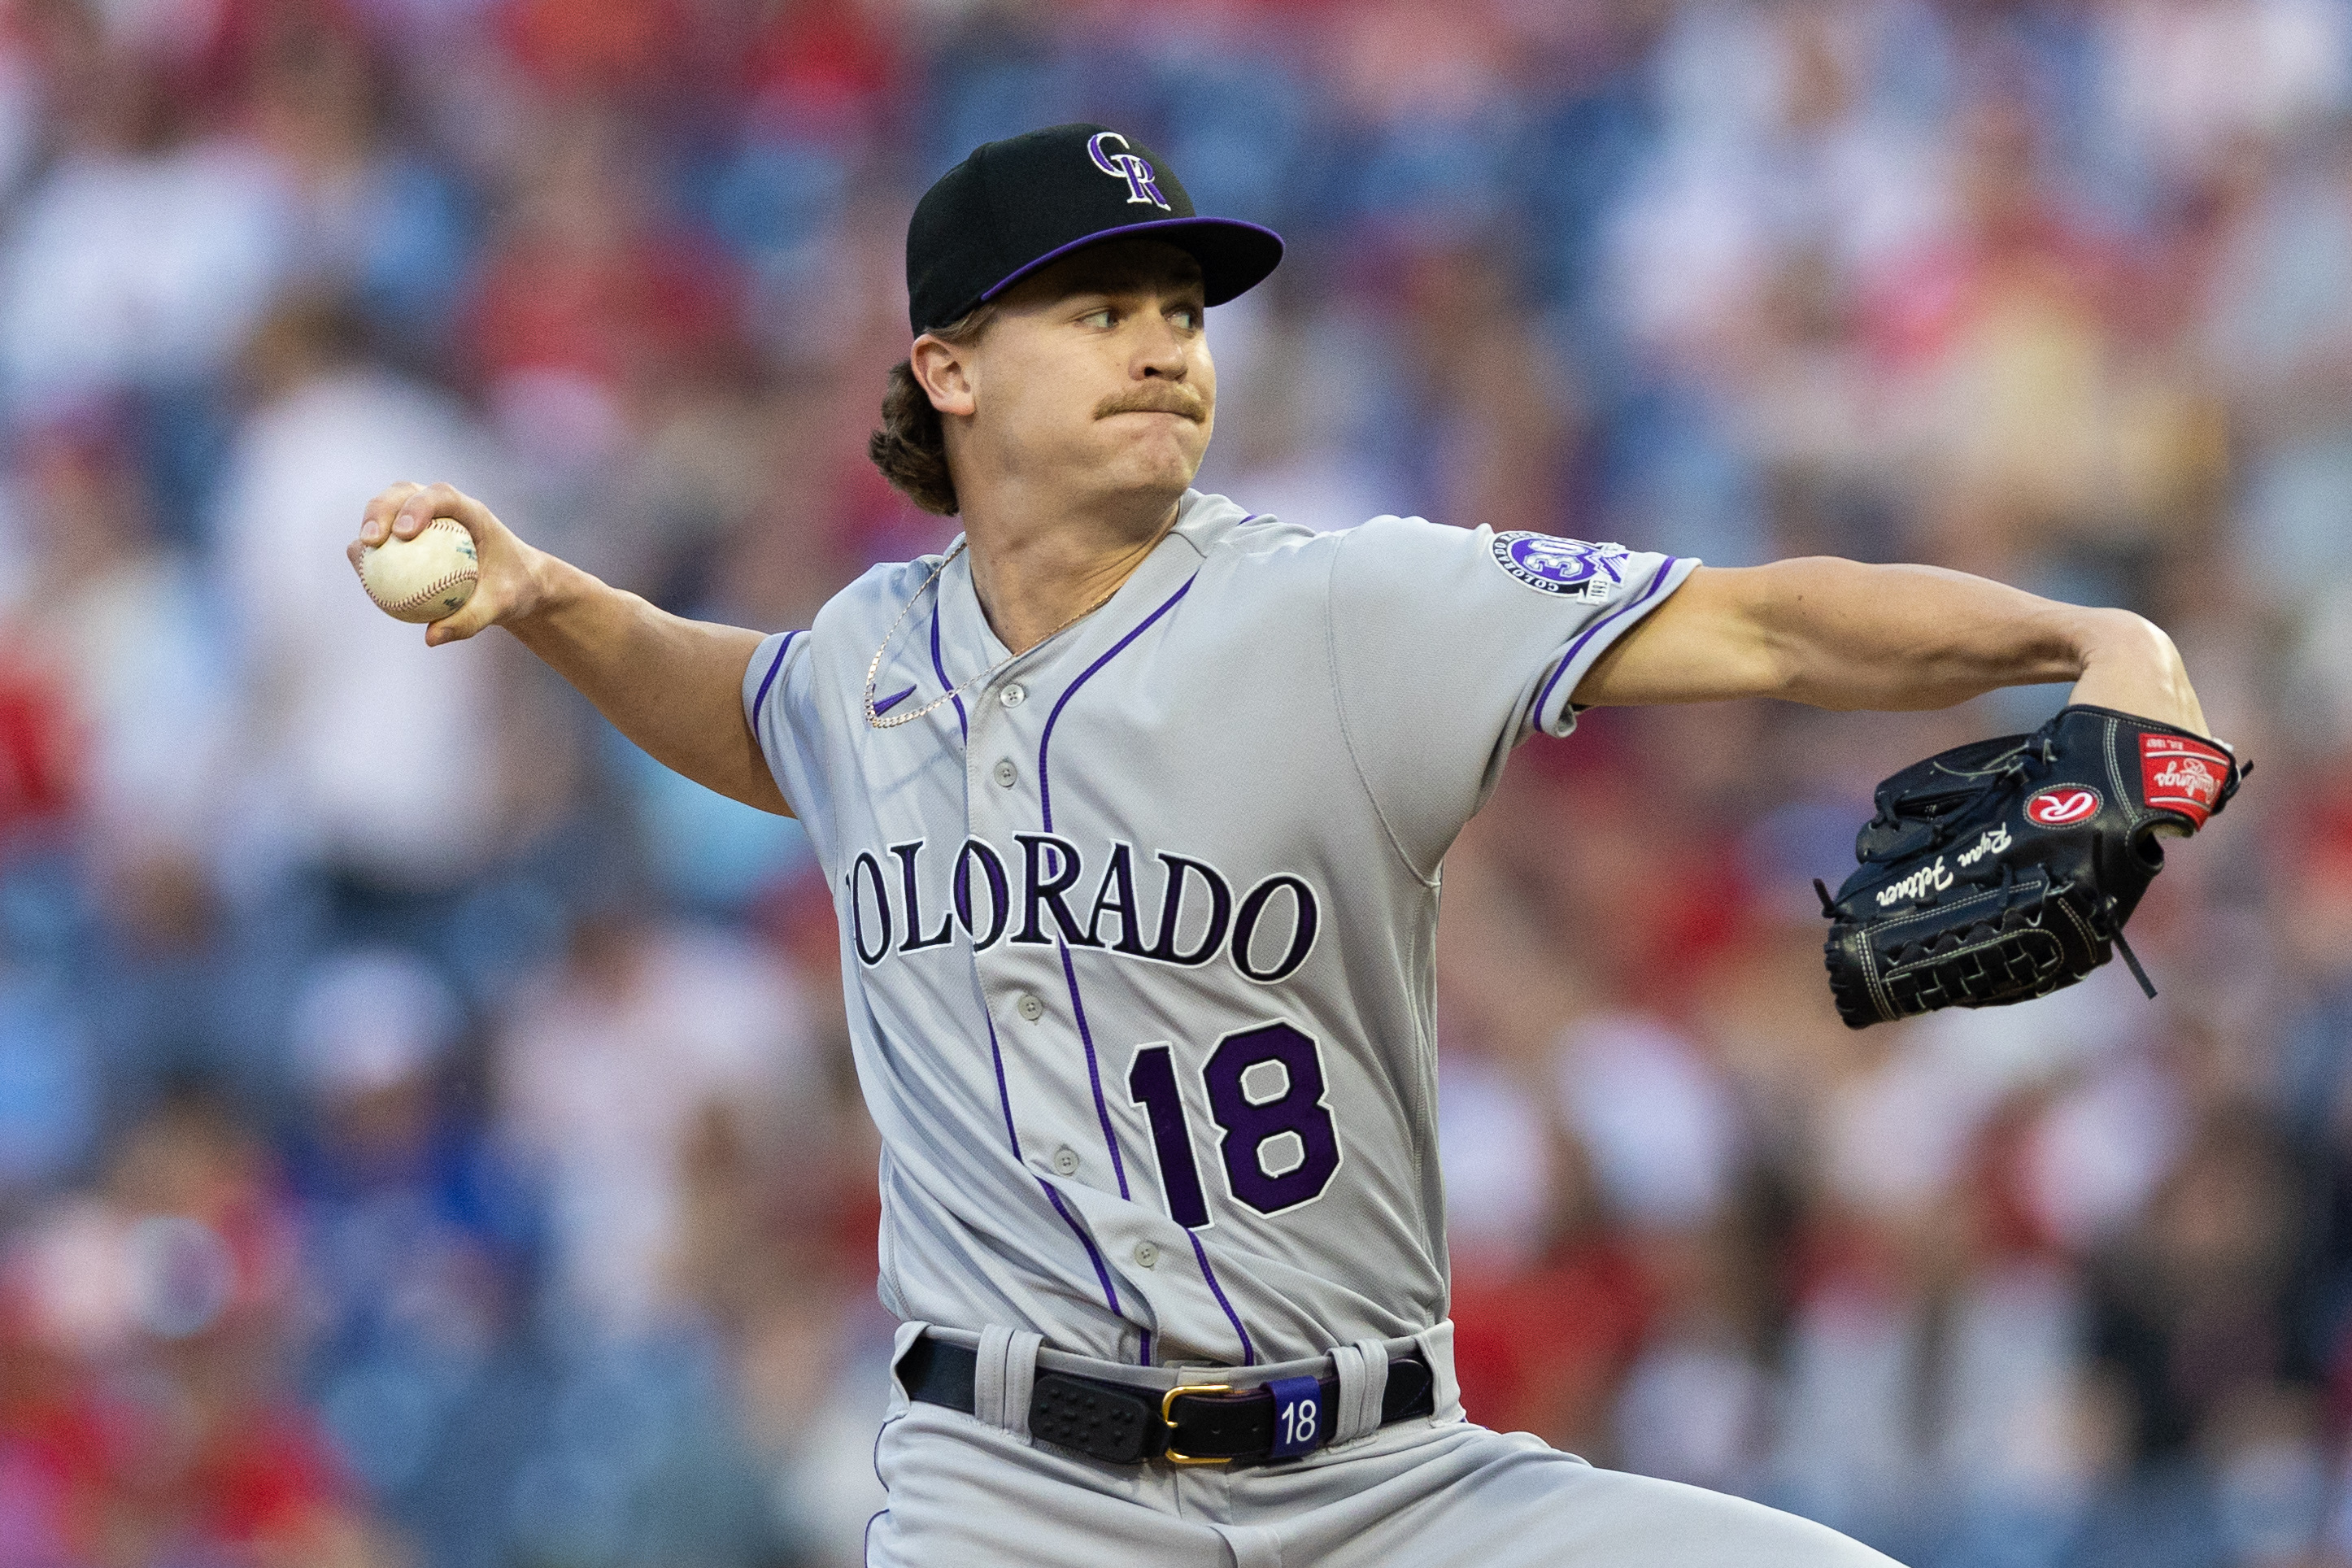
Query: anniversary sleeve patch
(1565,568)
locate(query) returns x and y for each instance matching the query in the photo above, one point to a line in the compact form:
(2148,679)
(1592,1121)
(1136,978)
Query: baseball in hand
(424,578)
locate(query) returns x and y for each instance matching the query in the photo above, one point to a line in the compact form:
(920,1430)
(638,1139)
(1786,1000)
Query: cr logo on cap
(1142,184)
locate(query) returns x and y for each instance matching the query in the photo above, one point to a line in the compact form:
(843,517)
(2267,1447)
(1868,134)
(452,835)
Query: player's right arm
(671,685)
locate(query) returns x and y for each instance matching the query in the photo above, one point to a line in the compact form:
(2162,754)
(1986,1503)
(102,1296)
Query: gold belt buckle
(1166,1404)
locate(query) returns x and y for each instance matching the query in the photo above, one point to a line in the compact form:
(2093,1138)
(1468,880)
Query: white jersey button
(1014,695)
(1066,1160)
(1146,1255)
(1030,1009)
(1006,773)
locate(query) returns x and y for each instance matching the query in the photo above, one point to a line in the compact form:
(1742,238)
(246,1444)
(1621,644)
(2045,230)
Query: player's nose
(1161,349)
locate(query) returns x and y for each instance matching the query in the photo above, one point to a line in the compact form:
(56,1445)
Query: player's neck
(1033,578)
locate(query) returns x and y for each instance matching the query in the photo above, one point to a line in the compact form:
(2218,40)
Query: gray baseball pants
(974,1491)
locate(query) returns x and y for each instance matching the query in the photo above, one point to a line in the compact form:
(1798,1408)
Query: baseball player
(1134,804)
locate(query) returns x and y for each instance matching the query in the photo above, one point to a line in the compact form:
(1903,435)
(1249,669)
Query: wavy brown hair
(911,446)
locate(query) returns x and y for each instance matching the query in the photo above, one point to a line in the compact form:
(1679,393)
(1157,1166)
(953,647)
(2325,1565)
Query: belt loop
(1436,1343)
(1363,1369)
(1020,1379)
(1005,1377)
(901,1342)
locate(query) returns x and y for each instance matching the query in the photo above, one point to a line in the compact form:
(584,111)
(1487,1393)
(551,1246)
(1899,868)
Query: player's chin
(1168,477)
(1168,454)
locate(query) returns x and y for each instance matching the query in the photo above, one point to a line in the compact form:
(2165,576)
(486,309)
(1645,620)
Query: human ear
(944,372)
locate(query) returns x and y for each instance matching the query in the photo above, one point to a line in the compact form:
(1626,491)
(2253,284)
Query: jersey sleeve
(779,667)
(1450,646)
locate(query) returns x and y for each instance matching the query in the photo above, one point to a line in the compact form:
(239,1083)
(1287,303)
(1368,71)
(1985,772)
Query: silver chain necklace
(874,669)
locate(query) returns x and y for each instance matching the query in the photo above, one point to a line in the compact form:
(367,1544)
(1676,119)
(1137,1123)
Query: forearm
(1840,634)
(671,685)
(1847,635)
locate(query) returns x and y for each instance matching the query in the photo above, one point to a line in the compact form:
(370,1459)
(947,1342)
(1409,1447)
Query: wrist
(2129,664)
(545,587)
(2095,638)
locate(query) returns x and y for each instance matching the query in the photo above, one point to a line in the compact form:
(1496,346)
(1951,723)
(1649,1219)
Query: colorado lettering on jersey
(900,902)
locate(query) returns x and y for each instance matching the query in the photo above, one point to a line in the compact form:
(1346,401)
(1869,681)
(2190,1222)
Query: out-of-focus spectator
(385,765)
(419,1240)
(2189,81)
(635,1060)
(134,650)
(591,303)
(2278,337)
(2191,1301)
(417,1243)
(150,1419)
(1661,1125)
(144,254)
(371,221)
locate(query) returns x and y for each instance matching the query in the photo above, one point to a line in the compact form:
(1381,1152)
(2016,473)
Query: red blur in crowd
(144,1413)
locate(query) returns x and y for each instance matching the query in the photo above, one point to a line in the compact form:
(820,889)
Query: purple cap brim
(1234,257)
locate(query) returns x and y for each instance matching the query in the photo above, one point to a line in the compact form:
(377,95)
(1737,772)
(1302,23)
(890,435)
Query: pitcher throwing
(1133,804)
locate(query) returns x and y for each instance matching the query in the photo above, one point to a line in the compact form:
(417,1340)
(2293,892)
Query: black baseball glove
(1999,872)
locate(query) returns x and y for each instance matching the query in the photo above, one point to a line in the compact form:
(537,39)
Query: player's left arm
(1840,634)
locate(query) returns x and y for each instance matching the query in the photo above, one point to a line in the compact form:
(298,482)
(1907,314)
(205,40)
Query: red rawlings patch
(2178,773)
(2062,806)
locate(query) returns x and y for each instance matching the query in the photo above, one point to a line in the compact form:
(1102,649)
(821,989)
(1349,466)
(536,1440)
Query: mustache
(1163,398)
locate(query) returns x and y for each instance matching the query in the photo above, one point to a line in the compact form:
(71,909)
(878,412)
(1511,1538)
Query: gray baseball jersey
(1137,930)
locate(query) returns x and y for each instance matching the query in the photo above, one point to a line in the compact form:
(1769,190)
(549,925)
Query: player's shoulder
(874,598)
(1218,525)
(1227,533)
(1259,560)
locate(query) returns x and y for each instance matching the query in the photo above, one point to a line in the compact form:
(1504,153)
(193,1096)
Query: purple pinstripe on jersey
(884,705)
(963,726)
(1004,1100)
(1589,632)
(1003,1096)
(1094,1071)
(1110,1291)
(1044,788)
(1249,1351)
(768,680)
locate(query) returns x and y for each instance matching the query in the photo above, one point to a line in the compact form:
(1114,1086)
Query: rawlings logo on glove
(2001,871)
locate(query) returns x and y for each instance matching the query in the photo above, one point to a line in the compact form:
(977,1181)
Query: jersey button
(1030,1009)
(1013,696)
(1066,1160)
(1146,1255)
(1006,773)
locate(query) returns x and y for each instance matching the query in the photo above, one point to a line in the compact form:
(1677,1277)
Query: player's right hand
(505,591)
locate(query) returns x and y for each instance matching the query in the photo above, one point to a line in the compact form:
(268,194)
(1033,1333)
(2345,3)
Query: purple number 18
(1293,1120)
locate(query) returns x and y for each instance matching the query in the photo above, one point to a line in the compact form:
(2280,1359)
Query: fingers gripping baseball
(405,511)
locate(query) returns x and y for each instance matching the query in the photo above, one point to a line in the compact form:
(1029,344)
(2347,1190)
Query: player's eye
(1187,317)
(1106,317)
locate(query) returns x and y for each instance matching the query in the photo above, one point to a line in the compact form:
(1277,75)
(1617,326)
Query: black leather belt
(1195,1424)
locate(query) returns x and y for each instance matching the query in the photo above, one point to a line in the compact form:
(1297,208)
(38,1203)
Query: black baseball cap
(1016,204)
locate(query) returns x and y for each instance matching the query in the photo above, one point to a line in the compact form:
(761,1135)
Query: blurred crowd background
(426,1136)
